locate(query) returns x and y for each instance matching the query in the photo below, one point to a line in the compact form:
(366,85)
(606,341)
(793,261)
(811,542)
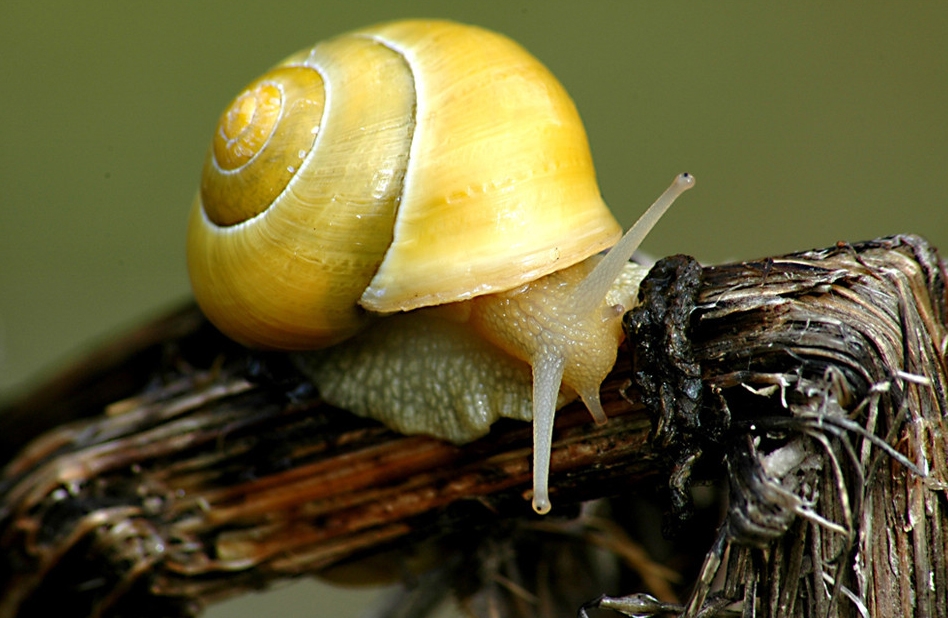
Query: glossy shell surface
(406,165)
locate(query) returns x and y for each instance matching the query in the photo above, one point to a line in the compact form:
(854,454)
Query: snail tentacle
(591,344)
(547,374)
(594,287)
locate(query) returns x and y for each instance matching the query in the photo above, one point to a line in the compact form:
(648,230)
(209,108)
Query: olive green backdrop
(804,124)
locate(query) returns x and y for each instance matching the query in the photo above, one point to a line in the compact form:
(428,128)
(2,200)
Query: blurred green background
(804,123)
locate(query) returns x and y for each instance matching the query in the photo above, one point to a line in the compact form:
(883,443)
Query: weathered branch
(176,468)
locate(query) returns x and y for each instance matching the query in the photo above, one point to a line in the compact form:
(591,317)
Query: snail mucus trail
(439,276)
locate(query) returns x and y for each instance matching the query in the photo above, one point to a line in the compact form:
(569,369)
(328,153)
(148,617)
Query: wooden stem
(175,468)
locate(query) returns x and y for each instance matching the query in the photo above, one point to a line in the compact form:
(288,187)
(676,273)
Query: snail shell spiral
(406,165)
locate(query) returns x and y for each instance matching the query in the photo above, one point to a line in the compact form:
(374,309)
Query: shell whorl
(405,165)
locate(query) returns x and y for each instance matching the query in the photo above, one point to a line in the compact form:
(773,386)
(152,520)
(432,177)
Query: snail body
(415,205)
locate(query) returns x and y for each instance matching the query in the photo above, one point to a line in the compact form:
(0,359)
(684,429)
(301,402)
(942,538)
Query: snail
(412,210)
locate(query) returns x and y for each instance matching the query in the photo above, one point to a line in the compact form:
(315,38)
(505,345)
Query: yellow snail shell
(409,165)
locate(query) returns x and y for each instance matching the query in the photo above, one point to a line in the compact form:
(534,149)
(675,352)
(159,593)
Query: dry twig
(176,468)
